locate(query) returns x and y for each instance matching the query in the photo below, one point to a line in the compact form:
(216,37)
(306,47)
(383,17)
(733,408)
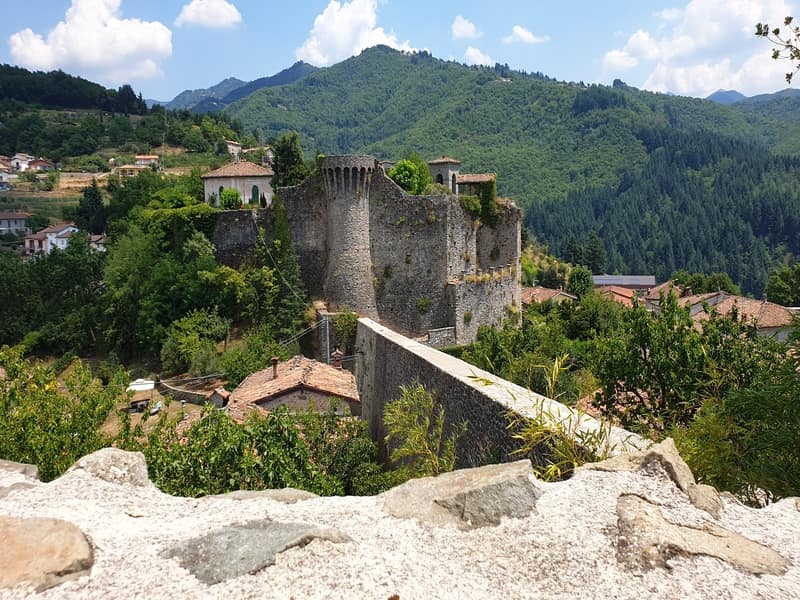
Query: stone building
(420,264)
(253,182)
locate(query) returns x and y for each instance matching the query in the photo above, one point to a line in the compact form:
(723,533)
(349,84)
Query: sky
(162,47)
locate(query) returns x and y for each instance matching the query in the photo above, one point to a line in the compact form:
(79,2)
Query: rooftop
(445,160)
(476,178)
(766,314)
(14,215)
(644,281)
(240,169)
(297,372)
(542,294)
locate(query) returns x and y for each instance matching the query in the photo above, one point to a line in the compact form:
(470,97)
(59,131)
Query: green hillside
(543,137)
(666,182)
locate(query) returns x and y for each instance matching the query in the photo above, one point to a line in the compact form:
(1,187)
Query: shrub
(423,305)
(415,429)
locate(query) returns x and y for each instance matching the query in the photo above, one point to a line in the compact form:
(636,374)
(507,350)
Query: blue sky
(162,47)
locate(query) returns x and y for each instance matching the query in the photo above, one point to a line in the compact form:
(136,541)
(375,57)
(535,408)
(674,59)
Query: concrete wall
(388,360)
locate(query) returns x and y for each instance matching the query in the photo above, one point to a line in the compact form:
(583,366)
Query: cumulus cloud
(521,35)
(705,46)
(473,56)
(216,14)
(94,40)
(464,29)
(344,29)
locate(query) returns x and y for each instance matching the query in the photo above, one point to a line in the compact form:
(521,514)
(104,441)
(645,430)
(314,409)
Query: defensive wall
(388,360)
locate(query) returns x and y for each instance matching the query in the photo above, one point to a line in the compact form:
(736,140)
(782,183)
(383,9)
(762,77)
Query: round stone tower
(346,181)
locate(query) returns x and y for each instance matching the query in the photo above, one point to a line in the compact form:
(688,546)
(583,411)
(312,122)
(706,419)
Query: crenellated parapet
(347,176)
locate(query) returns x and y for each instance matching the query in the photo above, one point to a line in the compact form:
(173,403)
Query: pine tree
(91,215)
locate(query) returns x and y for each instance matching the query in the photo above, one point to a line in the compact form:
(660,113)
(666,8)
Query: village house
(297,383)
(43,242)
(267,155)
(234,148)
(618,294)
(146,160)
(41,165)
(253,182)
(469,184)
(14,222)
(541,294)
(130,170)
(639,283)
(20,161)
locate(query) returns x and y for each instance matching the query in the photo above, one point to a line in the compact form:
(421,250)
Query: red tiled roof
(295,373)
(765,314)
(476,178)
(445,160)
(57,228)
(618,294)
(240,169)
(542,294)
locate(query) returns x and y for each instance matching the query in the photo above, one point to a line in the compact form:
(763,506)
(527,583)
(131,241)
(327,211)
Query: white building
(14,222)
(20,161)
(49,238)
(253,182)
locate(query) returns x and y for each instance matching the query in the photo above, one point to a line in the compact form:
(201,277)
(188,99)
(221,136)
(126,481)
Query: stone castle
(423,265)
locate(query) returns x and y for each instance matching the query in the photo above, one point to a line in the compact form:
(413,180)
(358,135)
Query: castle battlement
(347,176)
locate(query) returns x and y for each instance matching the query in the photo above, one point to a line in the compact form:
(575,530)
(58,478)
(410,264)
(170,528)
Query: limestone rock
(705,497)
(116,466)
(245,548)
(20,485)
(647,540)
(286,495)
(29,471)
(467,498)
(42,552)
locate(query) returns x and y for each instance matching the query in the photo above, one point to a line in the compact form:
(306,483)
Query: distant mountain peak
(726,97)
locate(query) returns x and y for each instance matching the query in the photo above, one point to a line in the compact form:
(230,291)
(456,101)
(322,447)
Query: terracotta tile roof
(295,373)
(475,178)
(618,294)
(240,169)
(665,287)
(57,228)
(445,160)
(542,294)
(765,314)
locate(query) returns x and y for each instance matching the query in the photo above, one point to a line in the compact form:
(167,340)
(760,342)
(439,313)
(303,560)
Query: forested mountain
(190,98)
(726,97)
(553,142)
(57,89)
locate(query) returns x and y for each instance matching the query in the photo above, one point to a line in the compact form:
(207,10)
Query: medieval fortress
(422,265)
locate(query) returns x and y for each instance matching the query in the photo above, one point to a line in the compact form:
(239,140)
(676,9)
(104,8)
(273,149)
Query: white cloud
(473,56)
(94,40)
(464,29)
(215,14)
(705,46)
(669,14)
(524,36)
(344,29)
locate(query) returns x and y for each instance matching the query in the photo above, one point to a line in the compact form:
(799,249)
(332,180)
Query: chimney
(336,358)
(275,360)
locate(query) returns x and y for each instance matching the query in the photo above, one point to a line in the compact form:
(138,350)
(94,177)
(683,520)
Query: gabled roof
(622,295)
(542,294)
(766,314)
(293,374)
(475,178)
(240,169)
(445,160)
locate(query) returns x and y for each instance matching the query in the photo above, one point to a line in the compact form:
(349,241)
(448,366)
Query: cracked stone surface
(245,548)
(468,498)
(647,540)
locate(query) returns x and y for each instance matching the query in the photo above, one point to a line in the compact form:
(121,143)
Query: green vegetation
(783,286)
(412,174)
(415,433)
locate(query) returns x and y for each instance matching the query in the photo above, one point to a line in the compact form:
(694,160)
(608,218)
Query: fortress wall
(236,233)
(387,360)
(409,255)
(486,298)
(306,208)
(500,245)
(462,230)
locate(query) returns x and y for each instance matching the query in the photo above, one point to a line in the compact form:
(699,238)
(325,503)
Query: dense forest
(701,202)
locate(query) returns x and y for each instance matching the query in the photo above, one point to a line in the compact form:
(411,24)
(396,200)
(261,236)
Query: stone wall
(388,360)
(500,245)
(484,298)
(306,208)
(236,233)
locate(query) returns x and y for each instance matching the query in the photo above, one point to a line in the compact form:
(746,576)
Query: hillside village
(208,322)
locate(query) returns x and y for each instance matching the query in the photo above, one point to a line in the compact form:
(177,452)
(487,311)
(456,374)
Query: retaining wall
(388,360)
